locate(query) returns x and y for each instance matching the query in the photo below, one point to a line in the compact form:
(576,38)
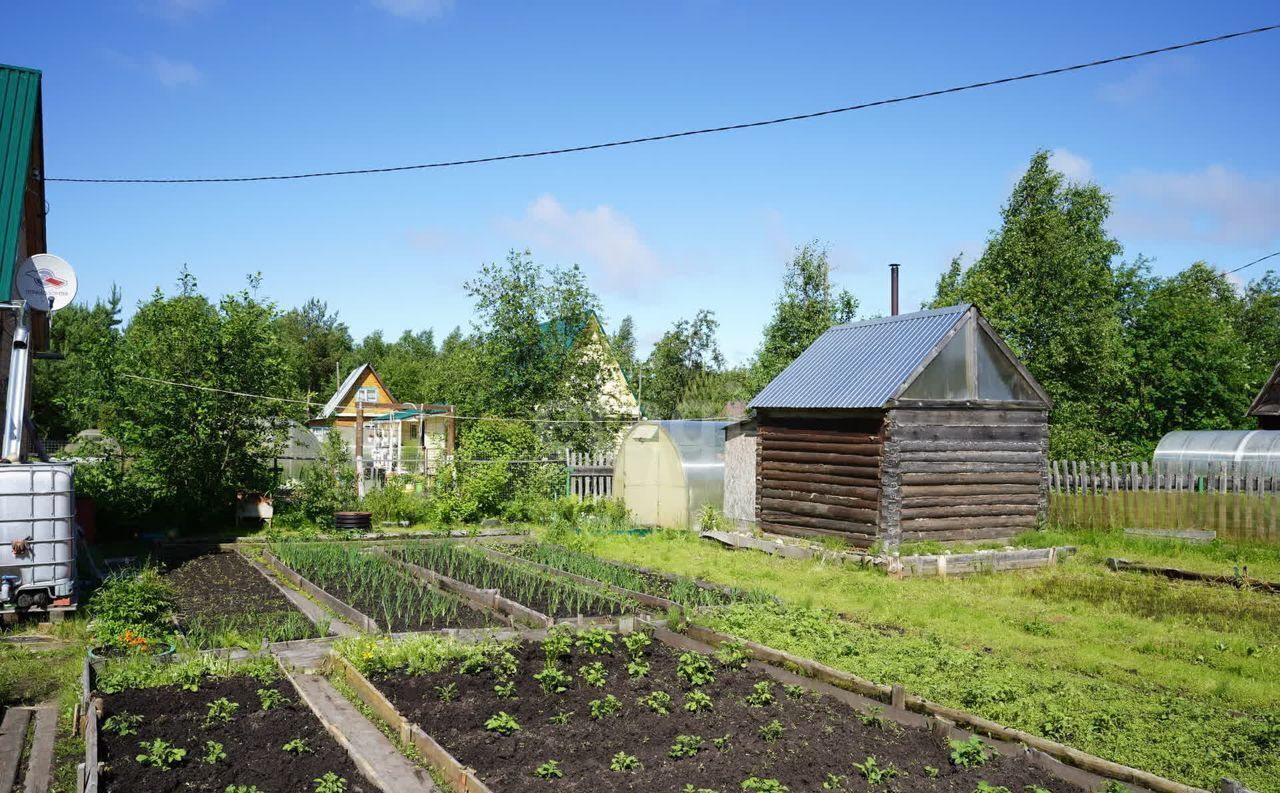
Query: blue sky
(157,88)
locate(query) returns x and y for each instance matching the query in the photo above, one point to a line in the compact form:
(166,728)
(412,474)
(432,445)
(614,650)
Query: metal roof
(862,364)
(19,108)
(1268,401)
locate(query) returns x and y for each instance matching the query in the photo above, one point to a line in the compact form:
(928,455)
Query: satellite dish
(46,282)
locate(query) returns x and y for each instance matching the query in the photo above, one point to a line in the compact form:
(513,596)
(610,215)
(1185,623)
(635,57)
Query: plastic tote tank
(666,471)
(37,507)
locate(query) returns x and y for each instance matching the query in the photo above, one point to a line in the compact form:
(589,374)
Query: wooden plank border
(364,623)
(463,779)
(640,597)
(488,598)
(846,680)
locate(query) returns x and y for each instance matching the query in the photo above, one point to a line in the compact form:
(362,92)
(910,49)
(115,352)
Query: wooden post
(898,696)
(359,448)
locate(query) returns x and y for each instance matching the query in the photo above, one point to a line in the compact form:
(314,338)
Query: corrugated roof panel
(860,365)
(19,100)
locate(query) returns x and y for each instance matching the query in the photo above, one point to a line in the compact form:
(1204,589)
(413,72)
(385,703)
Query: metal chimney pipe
(893,289)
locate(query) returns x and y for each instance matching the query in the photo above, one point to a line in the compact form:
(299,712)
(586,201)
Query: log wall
(819,476)
(965,473)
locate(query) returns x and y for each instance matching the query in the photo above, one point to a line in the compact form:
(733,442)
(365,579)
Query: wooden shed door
(820,477)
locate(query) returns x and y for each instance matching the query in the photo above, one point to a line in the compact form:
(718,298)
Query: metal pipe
(16,399)
(893,289)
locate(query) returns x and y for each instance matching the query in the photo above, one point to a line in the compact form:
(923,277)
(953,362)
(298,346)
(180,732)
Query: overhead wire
(268,398)
(687,133)
(1252,263)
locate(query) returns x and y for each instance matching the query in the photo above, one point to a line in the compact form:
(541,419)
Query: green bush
(398,502)
(132,611)
(327,485)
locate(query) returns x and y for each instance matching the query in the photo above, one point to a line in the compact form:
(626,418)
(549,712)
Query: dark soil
(252,740)
(821,735)
(220,592)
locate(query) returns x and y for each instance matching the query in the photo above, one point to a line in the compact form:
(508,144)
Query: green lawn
(1175,678)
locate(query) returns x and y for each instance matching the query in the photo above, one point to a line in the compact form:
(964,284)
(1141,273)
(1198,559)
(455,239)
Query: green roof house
(22,229)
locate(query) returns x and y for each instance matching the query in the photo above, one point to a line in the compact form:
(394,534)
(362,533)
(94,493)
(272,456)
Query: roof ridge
(958,308)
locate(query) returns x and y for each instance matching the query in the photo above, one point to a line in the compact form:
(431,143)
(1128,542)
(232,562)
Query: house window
(367,394)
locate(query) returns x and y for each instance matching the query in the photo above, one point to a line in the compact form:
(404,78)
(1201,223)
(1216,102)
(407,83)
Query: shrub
(327,485)
(969,754)
(549,770)
(132,610)
(502,723)
(623,762)
(658,701)
(695,669)
(685,746)
(160,754)
(607,706)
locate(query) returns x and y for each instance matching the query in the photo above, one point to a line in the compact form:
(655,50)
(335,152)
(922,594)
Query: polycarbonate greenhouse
(667,470)
(1243,452)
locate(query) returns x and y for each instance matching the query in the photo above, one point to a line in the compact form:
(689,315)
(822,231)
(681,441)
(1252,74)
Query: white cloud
(1072,165)
(602,237)
(1216,205)
(173,73)
(415,9)
(1145,80)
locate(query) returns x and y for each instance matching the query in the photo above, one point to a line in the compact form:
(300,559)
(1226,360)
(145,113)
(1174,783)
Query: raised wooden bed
(785,669)
(976,724)
(361,621)
(488,598)
(1237,581)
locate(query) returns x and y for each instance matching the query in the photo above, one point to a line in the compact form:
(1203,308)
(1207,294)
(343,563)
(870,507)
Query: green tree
(74,394)
(191,448)
(1046,282)
(1188,370)
(623,343)
(805,310)
(1259,324)
(684,354)
(316,342)
(529,331)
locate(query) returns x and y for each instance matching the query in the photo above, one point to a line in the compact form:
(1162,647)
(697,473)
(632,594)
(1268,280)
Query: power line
(693,132)
(266,398)
(1252,263)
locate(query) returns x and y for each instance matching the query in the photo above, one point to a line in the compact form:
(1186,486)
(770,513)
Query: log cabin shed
(908,428)
(1266,407)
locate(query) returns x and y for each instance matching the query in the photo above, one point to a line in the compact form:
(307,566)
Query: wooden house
(908,428)
(615,396)
(389,437)
(22,213)
(1266,408)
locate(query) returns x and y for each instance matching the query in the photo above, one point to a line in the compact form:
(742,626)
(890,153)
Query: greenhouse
(667,470)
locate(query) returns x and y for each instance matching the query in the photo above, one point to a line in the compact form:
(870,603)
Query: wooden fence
(590,475)
(1237,504)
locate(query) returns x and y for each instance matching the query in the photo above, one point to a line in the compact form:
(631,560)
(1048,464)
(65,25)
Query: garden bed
(549,594)
(486,708)
(392,599)
(656,589)
(223,600)
(217,735)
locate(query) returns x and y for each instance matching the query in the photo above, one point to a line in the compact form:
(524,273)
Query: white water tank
(37,507)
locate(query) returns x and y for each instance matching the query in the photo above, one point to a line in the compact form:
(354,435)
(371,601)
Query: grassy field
(1175,678)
